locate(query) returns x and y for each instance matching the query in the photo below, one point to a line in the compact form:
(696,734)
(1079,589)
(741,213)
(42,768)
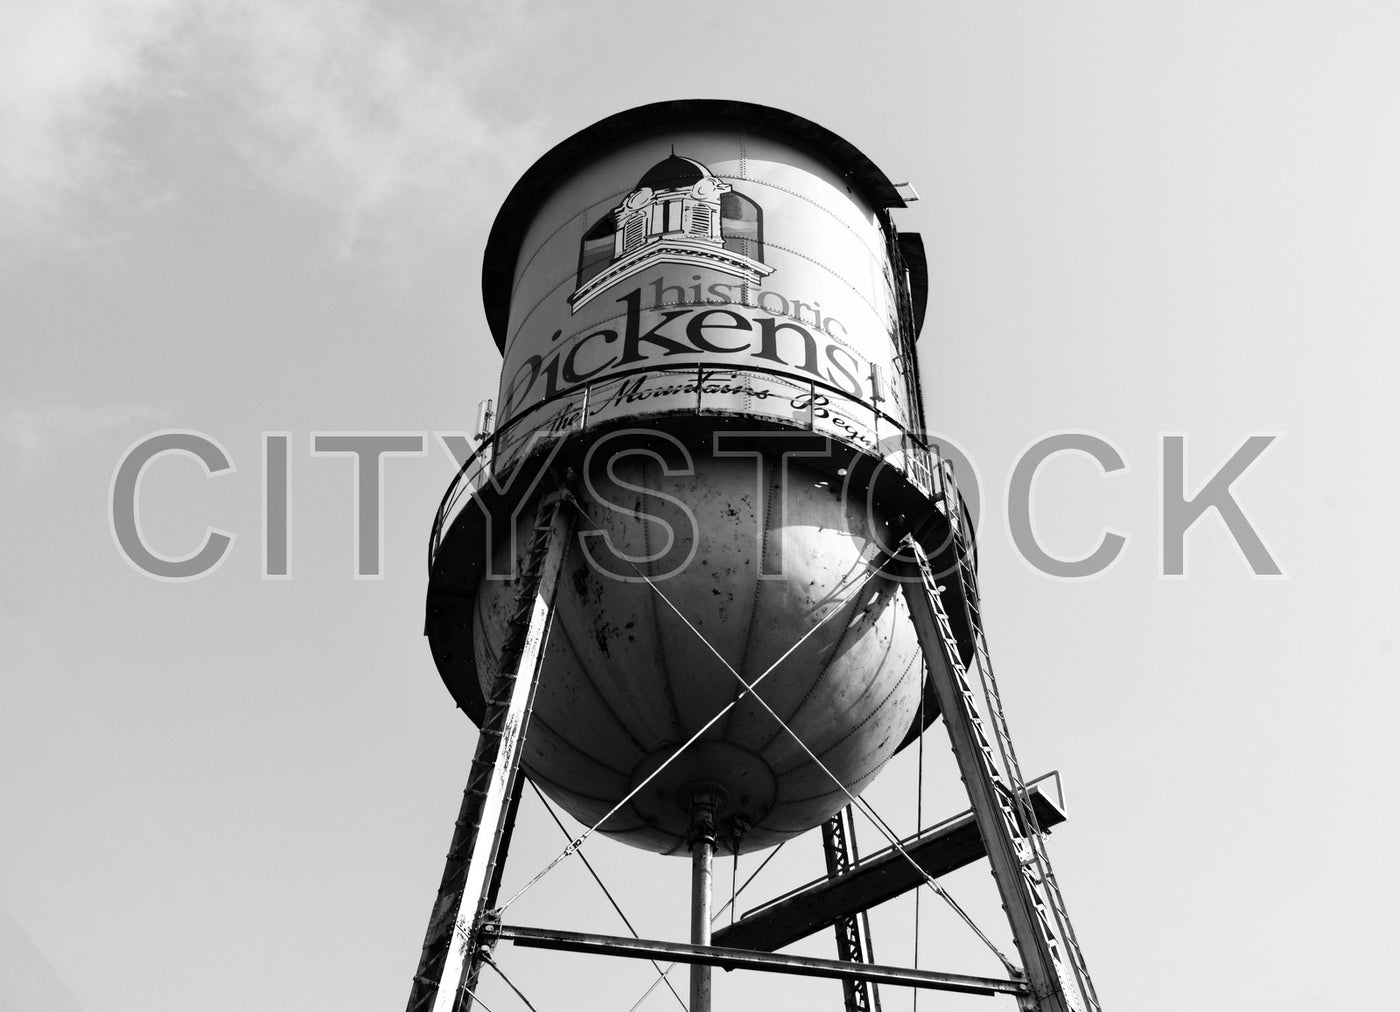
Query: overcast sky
(231,217)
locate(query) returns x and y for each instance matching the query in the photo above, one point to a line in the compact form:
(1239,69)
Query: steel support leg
(1010,851)
(450,961)
(852,929)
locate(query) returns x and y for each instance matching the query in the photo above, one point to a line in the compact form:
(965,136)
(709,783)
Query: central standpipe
(704,801)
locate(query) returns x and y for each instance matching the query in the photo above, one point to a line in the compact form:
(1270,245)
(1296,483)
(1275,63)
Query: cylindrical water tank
(707,321)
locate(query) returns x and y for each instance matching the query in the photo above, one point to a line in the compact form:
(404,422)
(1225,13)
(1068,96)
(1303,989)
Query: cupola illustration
(680,213)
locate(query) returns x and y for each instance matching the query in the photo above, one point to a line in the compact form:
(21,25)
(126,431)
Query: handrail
(477,464)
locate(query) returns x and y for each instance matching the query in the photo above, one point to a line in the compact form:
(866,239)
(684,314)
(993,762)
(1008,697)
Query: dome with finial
(673,173)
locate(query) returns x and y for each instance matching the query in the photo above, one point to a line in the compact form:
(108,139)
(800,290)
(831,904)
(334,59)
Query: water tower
(704,576)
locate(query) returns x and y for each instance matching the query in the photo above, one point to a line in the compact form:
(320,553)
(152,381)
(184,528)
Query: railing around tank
(568,412)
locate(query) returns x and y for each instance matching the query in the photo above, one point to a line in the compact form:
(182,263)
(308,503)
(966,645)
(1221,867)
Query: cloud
(378,118)
(36,430)
(69,70)
(374,116)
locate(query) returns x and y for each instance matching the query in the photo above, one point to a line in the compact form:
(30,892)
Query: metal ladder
(451,960)
(1015,846)
(1038,872)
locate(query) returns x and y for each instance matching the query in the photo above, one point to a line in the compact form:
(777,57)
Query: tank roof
(540,180)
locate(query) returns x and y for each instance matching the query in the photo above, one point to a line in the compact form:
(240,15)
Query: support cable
(489,961)
(596,878)
(477,998)
(919,821)
(740,891)
(578,841)
(863,805)
(647,993)
(750,689)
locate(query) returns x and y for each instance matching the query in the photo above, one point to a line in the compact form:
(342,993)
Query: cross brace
(740,959)
(954,843)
